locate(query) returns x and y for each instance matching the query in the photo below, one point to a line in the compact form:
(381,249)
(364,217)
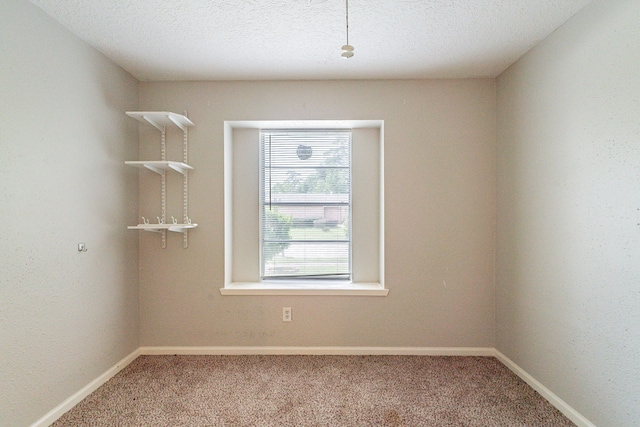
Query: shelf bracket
(156,170)
(177,123)
(178,168)
(154,123)
(153,231)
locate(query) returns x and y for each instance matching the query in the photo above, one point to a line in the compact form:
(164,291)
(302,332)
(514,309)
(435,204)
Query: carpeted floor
(314,391)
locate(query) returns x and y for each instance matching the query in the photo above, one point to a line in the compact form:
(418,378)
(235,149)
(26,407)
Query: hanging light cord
(347,49)
(347,15)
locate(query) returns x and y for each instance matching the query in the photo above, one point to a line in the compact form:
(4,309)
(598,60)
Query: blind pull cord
(270,182)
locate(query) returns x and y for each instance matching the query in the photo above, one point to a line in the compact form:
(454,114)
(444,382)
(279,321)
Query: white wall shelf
(178,228)
(158,166)
(159,120)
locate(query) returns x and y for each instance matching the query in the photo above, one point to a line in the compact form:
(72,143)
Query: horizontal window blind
(306,204)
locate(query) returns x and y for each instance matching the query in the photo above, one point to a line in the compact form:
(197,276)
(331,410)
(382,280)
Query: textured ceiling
(299,39)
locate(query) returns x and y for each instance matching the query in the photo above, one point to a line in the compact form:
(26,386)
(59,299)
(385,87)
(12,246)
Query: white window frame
(242,216)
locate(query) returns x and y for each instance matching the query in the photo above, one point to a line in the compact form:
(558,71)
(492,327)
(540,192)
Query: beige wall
(439,228)
(568,244)
(65,317)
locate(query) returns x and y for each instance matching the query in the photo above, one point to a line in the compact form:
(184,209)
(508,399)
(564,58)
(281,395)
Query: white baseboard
(560,404)
(347,351)
(85,391)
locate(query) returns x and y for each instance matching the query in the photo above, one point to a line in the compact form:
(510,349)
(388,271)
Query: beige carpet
(314,391)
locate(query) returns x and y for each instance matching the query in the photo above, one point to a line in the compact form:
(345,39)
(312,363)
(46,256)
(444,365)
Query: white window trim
(301,288)
(297,287)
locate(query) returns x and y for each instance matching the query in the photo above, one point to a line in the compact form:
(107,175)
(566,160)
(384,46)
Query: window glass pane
(325,260)
(306,185)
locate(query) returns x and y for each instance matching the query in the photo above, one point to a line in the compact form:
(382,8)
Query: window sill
(301,288)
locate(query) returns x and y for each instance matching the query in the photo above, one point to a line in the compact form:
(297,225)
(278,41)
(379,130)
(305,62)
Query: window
(351,235)
(305,204)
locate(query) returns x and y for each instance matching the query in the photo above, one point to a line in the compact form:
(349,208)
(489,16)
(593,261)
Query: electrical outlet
(286,314)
